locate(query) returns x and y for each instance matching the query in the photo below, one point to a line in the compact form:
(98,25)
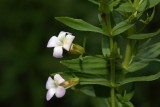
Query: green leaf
(151,59)
(121,27)
(89,65)
(79,24)
(94,2)
(96,80)
(152,51)
(125,7)
(105,46)
(129,104)
(135,66)
(143,6)
(86,89)
(141,78)
(144,36)
(146,4)
(153,3)
(85,79)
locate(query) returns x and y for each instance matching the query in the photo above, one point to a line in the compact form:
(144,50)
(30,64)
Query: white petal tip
(60,92)
(58,51)
(58,78)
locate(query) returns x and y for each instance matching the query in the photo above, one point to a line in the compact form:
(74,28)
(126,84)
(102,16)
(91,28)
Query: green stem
(112,71)
(113,97)
(106,26)
(112,62)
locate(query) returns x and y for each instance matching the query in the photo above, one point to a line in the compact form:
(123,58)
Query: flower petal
(68,41)
(50,83)
(60,92)
(58,78)
(62,35)
(50,93)
(58,51)
(53,42)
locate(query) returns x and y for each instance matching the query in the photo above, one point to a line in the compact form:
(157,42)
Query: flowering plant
(126,52)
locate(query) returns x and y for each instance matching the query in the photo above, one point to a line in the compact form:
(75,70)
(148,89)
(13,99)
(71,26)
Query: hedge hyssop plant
(127,52)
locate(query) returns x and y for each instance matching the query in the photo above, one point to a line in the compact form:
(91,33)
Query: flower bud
(76,49)
(70,83)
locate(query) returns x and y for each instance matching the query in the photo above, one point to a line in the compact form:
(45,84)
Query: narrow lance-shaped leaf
(121,27)
(129,104)
(144,36)
(125,7)
(153,3)
(98,81)
(88,65)
(135,66)
(150,52)
(143,6)
(79,24)
(141,78)
(94,2)
(146,4)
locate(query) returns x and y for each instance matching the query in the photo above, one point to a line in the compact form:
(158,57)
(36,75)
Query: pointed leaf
(141,78)
(135,66)
(94,2)
(146,4)
(129,104)
(96,80)
(121,27)
(153,3)
(125,7)
(79,24)
(88,90)
(143,6)
(150,52)
(144,36)
(89,65)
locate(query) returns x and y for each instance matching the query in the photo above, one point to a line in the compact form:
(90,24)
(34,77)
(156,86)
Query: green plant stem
(112,92)
(106,26)
(112,72)
(112,97)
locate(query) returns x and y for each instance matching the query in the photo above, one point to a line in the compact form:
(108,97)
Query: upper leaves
(121,27)
(137,6)
(79,24)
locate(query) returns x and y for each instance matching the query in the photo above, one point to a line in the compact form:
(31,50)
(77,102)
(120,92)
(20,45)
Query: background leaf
(141,78)
(144,36)
(151,51)
(94,2)
(137,65)
(153,3)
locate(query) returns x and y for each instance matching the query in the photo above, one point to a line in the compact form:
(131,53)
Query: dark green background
(26,63)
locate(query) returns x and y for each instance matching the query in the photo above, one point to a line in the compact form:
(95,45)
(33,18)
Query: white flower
(64,40)
(53,87)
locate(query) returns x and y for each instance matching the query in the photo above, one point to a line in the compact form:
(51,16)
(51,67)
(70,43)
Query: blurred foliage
(25,62)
